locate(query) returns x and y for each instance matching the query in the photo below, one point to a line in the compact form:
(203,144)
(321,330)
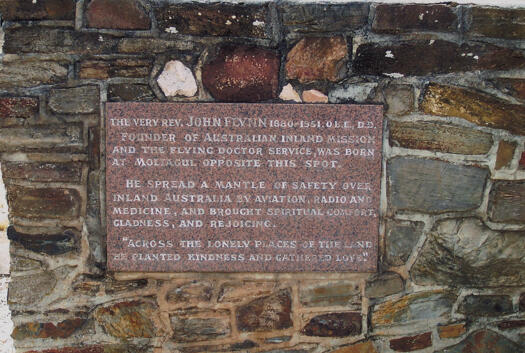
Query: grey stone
(345,293)
(28,72)
(31,289)
(486,305)
(382,285)
(468,253)
(506,203)
(195,329)
(399,99)
(433,186)
(358,92)
(58,137)
(401,238)
(77,100)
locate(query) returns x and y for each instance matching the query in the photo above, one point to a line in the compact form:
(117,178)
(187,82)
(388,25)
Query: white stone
(4,257)
(289,94)
(358,92)
(177,80)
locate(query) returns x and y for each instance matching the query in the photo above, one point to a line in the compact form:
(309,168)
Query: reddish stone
(317,58)
(404,18)
(117,14)
(43,171)
(411,343)
(15,10)
(452,331)
(62,329)
(18,107)
(484,341)
(242,73)
(266,314)
(59,203)
(334,325)
(498,23)
(522,161)
(127,319)
(511,324)
(433,57)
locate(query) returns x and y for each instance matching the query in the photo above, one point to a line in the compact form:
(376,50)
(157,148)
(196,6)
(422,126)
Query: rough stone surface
(77,100)
(218,19)
(234,292)
(32,288)
(485,305)
(242,73)
(344,293)
(41,137)
(382,285)
(130,92)
(512,86)
(16,10)
(117,14)
(314,96)
(18,107)
(498,23)
(452,330)
(55,203)
(127,319)
(506,202)
(361,347)
(399,99)
(477,108)
(125,67)
(416,307)
(152,45)
(352,93)
(522,302)
(405,18)
(521,163)
(484,341)
(49,171)
(204,328)
(266,314)
(61,329)
(51,244)
(177,80)
(433,57)
(319,18)
(106,348)
(511,324)
(28,72)
(195,291)
(434,186)
(439,137)
(288,93)
(411,343)
(317,58)
(467,253)
(334,325)
(505,153)
(401,238)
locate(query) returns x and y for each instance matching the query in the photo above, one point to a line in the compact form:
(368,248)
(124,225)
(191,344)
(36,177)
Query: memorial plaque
(242,187)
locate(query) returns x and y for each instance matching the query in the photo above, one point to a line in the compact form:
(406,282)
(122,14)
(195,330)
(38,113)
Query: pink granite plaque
(242,187)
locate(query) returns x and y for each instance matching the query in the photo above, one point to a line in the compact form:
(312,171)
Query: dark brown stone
(506,201)
(50,171)
(211,325)
(521,163)
(334,325)
(477,108)
(452,330)
(405,18)
(266,314)
(125,67)
(513,86)
(382,285)
(51,244)
(417,58)
(511,324)
(16,10)
(522,302)
(434,186)
(497,23)
(317,58)
(485,305)
(18,107)
(76,100)
(401,238)
(215,19)
(62,329)
(130,92)
(128,319)
(439,137)
(41,137)
(241,73)
(40,39)
(319,18)
(55,203)
(411,343)
(484,341)
(112,286)
(117,14)
(505,154)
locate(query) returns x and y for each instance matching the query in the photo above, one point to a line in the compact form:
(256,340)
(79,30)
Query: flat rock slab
(243,187)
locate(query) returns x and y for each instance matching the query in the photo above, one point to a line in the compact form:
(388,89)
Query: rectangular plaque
(242,187)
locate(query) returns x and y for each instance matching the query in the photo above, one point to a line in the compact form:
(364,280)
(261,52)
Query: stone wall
(452,240)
